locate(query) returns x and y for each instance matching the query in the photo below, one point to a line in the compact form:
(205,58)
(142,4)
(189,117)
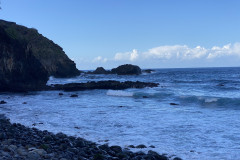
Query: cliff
(49,54)
(19,69)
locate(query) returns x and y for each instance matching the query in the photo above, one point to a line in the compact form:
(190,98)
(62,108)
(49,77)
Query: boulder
(127,69)
(50,55)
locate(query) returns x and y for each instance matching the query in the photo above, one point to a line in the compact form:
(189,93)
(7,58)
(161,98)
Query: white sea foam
(210,100)
(119,93)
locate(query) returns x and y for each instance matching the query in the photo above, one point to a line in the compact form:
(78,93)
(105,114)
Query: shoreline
(18,142)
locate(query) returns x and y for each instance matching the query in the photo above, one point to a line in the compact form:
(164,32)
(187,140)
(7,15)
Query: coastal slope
(50,55)
(19,69)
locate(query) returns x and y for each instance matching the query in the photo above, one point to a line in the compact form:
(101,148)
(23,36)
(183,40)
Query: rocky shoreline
(18,142)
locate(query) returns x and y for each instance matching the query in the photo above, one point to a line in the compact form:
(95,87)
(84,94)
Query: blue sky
(149,33)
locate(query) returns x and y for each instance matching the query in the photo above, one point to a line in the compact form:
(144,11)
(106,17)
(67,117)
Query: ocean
(194,113)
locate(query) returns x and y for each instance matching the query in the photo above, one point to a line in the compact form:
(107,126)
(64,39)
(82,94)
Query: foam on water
(119,93)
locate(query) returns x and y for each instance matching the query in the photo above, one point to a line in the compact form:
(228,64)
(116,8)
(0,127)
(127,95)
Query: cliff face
(49,54)
(19,69)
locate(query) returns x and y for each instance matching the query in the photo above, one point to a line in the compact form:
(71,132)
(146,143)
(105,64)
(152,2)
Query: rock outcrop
(19,68)
(127,69)
(100,70)
(115,85)
(49,54)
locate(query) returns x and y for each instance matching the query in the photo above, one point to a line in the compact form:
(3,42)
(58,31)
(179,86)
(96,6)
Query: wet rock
(24,103)
(177,158)
(147,71)
(98,157)
(40,152)
(22,151)
(157,156)
(104,147)
(60,94)
(141,146)
(3,102)
(33,155)
(116,149)
(173,104)
(151,146)
(79,143)
(145,97)
(127,69)
(131,146)
(74,95)
(115,85)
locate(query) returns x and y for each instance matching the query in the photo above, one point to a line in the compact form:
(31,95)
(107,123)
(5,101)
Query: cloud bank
(181,52)
(177,56)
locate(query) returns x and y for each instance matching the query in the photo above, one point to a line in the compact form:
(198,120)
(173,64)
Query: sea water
(205,123)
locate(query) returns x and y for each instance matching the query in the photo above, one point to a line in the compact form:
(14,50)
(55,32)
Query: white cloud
(175,55)
(183,52)
(176,51)
(130,56)
(226,50)
(100,59)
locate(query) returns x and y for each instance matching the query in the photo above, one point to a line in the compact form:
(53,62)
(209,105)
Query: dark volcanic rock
(100,70)
(173,104)
(18,142)
(141,146)
(127,69)
(116,85)
(3,102)
(27,44)
(147,71)
(19,68)
(74,95)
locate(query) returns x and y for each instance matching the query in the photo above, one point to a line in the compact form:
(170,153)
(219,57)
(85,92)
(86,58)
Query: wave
(207,100)
(119,93)
(157,95)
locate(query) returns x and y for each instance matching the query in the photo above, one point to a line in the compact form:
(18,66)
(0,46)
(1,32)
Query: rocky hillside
(49,54)
(19,69)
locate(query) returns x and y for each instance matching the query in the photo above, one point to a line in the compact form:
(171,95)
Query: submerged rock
(173,104)
(127,69)
(74,95)
(3,102)
(148,71)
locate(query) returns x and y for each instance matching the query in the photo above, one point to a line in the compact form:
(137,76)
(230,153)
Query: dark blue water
(205,123)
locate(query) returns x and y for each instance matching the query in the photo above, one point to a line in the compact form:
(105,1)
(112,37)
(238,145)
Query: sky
(148,33)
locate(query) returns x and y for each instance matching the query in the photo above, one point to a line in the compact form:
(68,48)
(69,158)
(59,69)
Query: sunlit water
(205,124)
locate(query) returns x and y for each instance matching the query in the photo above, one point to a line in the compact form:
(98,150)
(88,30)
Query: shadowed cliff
(49,54)
(19,69)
